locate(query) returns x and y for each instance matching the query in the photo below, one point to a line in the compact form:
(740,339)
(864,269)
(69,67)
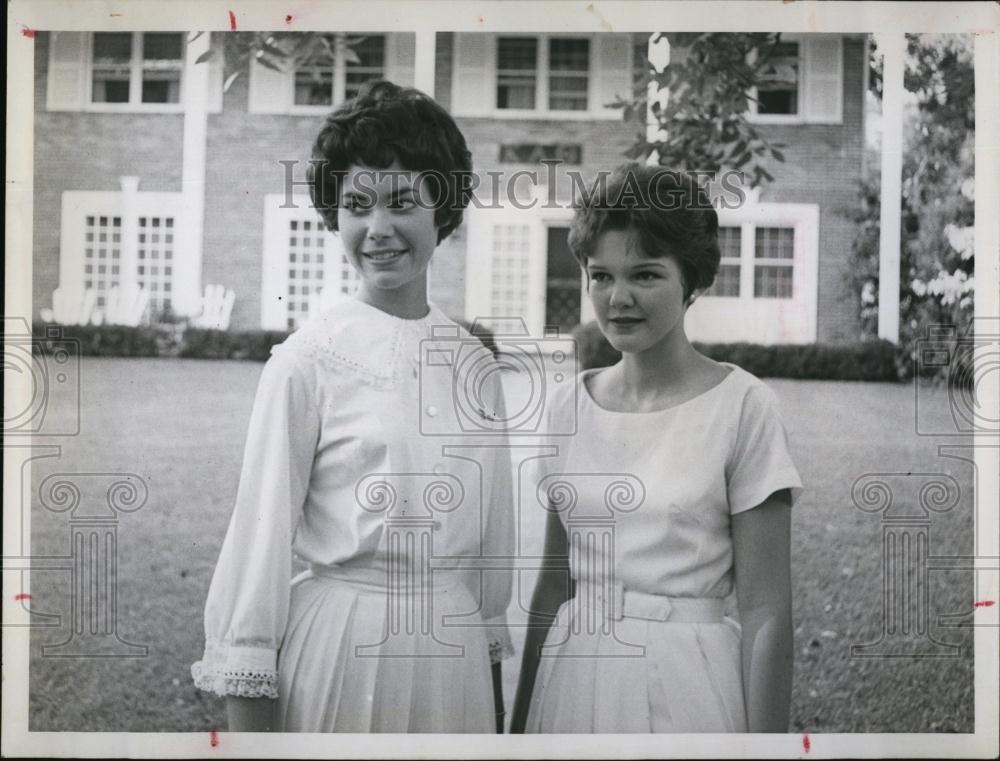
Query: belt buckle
(648,607)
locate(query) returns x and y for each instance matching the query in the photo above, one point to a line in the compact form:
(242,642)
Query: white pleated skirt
(351,663)
(637,675)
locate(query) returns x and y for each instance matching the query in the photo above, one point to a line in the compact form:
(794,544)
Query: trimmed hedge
(113,340)
(176,341)
(865,361)
(202,343)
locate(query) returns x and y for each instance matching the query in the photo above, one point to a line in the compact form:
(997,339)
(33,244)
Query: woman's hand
(761,555)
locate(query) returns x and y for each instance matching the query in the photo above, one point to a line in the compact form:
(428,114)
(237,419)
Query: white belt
(616,603)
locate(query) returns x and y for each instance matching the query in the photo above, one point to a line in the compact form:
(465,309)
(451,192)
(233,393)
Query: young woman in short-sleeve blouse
(675,487)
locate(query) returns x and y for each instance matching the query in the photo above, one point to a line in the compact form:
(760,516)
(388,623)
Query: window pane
(772,281)
(774,243)
(158,46)
(568,93)
(112,47)
(517,53)
(313,87)
(727,282)
(516,93)
(161,87)
(369,50)
(370,63)
(569,55)
(110,87)
(729,242)
(778,91)
(517,61)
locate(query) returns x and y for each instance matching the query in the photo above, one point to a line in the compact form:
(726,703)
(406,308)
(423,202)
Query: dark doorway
(562,282)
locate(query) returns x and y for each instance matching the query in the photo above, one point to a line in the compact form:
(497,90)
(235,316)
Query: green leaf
(205,56)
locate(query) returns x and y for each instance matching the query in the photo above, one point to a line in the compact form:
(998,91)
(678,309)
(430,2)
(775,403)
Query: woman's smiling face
(388,233)
(638,301)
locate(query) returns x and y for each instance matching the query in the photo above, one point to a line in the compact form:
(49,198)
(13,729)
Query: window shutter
(270,90)
(67,78)
(613,76)
(823,60)
(473,80)
(400,58)
(216,67)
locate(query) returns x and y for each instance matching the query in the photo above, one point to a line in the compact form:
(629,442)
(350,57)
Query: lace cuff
(498,638)
(244,672)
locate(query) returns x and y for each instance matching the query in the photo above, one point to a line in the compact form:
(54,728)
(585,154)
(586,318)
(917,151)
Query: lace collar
(365,339)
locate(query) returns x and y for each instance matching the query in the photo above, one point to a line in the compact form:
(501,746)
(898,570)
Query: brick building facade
(114,159)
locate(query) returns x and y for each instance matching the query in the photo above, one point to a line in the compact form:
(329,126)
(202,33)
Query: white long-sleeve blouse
(355,406)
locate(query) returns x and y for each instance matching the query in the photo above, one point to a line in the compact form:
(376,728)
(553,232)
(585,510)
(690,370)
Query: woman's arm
(761,555)
(250,714)
(553,588)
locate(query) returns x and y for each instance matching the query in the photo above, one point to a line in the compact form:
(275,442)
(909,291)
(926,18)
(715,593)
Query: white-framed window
(727,281)
(541,76)
(155,258)
(801,81)
(142,72)
(510,274)
(511,281)
(136,67)
(338,69)
(766,288)
(340,64)
(305,268)
(773,262)
(108,241)
(543,73)
(780,80)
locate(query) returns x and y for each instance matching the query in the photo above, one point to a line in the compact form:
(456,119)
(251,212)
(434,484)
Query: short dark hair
(669,213)
(384,123)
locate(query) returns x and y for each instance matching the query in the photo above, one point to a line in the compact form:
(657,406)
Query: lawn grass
(179,425)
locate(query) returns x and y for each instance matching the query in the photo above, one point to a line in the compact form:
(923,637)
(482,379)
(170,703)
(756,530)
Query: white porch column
(424,61)
(894,51)
(187,264)
(129,243)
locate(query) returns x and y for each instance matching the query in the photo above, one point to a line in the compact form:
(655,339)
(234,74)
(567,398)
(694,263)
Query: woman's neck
(668,366)
(405,303)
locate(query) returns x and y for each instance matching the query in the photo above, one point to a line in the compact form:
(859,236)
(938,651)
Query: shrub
(202,343)
(191,343)
(115,340)
(865,361)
